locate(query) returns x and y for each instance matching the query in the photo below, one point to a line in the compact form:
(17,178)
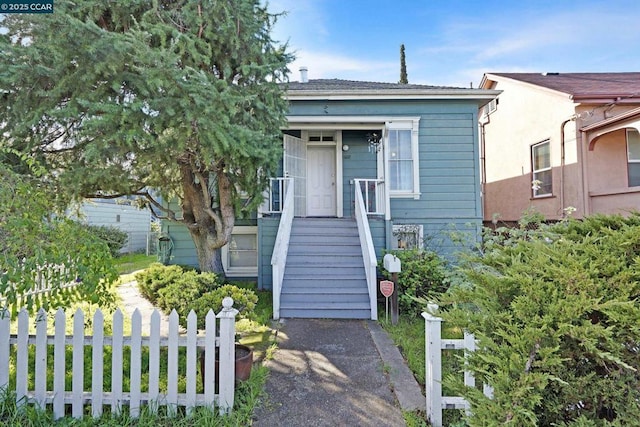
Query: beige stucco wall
(527,115)
(607,162)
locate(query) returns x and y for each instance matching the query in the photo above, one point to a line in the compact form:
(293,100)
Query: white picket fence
(116,398)
(45,279)
(434,344)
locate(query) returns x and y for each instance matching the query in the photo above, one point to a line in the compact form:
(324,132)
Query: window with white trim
(542,182)
(240,255)
(407,236)
(402,142)
(633,157)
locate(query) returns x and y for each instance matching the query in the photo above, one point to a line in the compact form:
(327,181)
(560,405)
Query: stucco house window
(541,167)
(407,236)
(633,157)
(240,255)
(403,158)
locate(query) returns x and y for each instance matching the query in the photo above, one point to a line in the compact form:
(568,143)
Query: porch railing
(281,247)
(368,251)
(372,194)
(274,197)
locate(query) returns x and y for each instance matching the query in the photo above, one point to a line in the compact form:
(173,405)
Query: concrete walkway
(132,300)
(335,373)
(324,373)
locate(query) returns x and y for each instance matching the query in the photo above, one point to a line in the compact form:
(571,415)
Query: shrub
(183,290)
(112,236)
(556,315)
(176,288)
(244,300)
(423,276)
(156,277)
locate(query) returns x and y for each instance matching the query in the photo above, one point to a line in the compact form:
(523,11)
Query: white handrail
(281,247)
(368,251)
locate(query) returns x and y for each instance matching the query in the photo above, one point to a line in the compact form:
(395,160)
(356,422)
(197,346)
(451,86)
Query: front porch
(322,267)
(323,261)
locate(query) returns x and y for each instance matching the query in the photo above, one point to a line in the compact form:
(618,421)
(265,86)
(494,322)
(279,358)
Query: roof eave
(399,94)
(631,114)
(497,77)
(605,98)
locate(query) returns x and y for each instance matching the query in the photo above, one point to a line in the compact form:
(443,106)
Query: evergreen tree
(404,79)
(118,98)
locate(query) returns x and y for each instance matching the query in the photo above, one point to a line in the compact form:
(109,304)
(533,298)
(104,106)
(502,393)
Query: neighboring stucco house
(556,142)
(373,166)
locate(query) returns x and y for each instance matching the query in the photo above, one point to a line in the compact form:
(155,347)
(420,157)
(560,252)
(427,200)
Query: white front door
(321,180)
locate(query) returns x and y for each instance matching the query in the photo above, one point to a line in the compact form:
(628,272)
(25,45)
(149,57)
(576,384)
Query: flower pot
(244,362)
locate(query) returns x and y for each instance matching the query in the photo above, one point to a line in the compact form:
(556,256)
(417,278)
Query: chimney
(303,74)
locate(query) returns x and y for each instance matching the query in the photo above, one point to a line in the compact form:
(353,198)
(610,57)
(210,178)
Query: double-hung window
(240,255)
(541,167)
(633,157)
(402,157)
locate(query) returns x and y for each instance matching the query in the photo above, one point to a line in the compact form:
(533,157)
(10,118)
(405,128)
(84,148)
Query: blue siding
(449,166)
(267,231)
(184,251)
(449,176)
(358,162)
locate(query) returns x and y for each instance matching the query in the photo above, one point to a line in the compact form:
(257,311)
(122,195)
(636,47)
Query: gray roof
(583,85)
(353,85)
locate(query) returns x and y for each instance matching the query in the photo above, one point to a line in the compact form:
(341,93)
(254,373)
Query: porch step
(324,276)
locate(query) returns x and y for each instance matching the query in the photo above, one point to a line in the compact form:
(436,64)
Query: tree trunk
(209,256)
(210,228)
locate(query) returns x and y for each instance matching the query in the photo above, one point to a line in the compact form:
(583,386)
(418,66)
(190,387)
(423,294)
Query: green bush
(112,236)
(244,300)
(156,277)
(423,276)
(173,287)
(556,315)
(180,293)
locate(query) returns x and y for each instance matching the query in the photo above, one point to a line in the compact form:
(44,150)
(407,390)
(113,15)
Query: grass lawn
(408,335)
(128,263)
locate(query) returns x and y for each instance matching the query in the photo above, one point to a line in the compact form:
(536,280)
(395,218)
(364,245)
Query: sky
(454,42)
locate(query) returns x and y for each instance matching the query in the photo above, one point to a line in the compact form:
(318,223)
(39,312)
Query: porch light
(374,139)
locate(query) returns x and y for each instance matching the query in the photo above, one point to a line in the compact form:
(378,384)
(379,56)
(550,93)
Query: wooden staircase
(324,276)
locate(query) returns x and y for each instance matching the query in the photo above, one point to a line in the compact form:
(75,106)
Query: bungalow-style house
(560,143)
(367,167)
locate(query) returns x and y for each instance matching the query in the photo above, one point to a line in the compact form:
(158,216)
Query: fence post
(227,355)
(433,367)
